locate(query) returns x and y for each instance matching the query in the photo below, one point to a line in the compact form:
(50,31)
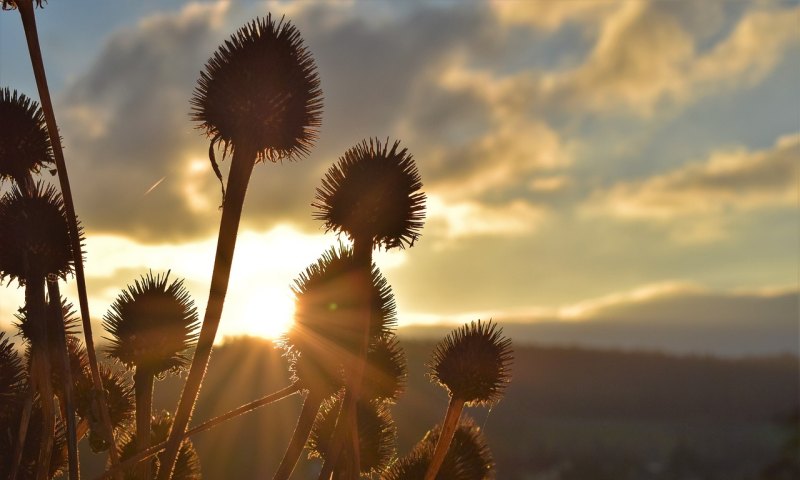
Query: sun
(267,313)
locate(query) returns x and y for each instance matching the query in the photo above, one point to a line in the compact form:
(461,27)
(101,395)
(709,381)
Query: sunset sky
(583,160)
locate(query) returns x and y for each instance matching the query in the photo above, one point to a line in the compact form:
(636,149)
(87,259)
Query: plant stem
(239,176)
(347,423)
(300,436)
(35,313)
(32,37)
(143,388)
(66,377)
(248,407)
(446,434)
(24,422)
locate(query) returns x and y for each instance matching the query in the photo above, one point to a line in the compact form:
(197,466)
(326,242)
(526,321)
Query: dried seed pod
(261,87)
(327,303)
(34,228)
(24,143)
(468,458)
(152,325)
(119,398)
(385,372)
(473,363)
(376,436)
(187,466)
(372,192)
(12,376)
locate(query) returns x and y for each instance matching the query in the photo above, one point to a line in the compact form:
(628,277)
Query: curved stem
(300,436)
(246,408)
(32,37)
(143,388)
(24,422)
(66,377)
(446,434)
(35,312)
(347,423)
(239,176)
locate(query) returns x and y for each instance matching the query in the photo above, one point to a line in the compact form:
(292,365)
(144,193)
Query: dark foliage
(187,466)
(12,376)
(385,371)
(373,193)
(30,452)
(119,398)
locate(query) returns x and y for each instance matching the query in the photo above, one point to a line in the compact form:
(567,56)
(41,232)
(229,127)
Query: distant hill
(675,321)
(570,413)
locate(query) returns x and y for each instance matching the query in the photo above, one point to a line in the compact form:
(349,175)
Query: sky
(585,162)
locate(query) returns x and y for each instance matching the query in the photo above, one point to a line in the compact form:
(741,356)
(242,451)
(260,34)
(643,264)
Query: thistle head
(24,142)
(261,88)
(468,458)
(473,363)
(152,325)
(118,390)
(187,465)
(327,305)
(376,436)
(34,228)
(385,371)
(372,192)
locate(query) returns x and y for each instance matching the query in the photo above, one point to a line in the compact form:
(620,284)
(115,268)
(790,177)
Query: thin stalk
(66,377)
(246,408)
(35,312)
(347,423)
(446,434)
(24,422)
(239,176)
(300,436)
(143,388)
(32,37)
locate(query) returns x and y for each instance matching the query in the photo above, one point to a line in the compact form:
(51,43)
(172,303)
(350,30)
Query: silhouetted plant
(260,98)
(152,325)
(468,456)
(372,195)
(187,465)
(24,144)
(474,364)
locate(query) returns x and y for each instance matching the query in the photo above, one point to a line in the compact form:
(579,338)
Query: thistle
(24,144)
(259,97)
(468,457)
(187,465)
(376,435)
(371,195)
(28,18)
(324,335)
(474,364)
(152,324)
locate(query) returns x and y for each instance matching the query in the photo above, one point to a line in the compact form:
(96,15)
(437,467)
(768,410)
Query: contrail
(154,186)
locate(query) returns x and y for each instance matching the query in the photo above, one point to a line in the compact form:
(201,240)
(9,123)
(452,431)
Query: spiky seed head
(468,458)
(323,378)
(261,88)
(152,325)
(24,142)
(34,228)
(12,375)
(187,466)
(385,371)
(327,303)
(376,436)
(372,192)
(67,320)
(473,363)
(118,389)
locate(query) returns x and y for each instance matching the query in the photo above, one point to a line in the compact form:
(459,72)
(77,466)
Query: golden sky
(580,157)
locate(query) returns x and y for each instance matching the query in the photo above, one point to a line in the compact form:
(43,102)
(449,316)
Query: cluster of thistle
(259,100)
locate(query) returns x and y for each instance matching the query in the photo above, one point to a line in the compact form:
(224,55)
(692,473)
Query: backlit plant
(257,100)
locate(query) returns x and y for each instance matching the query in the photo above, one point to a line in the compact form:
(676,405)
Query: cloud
(728,181)
(548,15)
(452,221)
(675,317)
(646,58)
